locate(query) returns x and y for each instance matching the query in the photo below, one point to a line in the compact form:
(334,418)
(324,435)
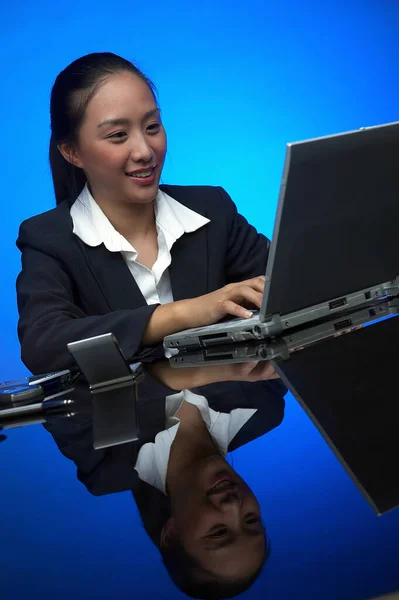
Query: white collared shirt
(153,458)
(172,220)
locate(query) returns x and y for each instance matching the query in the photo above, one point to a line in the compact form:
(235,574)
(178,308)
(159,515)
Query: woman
(120,253)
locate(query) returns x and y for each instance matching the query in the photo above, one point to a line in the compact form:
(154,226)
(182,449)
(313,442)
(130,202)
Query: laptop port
(220,357)
(337,303)
(344,324)
(213,339)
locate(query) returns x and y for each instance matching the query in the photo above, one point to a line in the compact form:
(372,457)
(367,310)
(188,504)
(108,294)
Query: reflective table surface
(312,511)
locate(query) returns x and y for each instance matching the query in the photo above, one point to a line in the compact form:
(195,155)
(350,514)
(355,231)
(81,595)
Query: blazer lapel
(109,269)
(189,268)
(114,277)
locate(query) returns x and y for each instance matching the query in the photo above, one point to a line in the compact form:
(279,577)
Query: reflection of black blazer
(111,470)
(68,290)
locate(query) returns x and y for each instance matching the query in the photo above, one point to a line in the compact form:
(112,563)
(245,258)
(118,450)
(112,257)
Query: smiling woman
(192,258)
(120,147)
(77,130)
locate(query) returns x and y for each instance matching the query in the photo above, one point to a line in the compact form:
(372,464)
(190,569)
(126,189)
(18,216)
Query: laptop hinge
(392,288)
(276,328)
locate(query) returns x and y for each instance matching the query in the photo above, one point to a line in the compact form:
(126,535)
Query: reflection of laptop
(347,388)
(281,347)
(335,240)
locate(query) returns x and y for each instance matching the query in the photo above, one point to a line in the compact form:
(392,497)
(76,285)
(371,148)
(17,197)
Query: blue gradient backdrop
(236,82)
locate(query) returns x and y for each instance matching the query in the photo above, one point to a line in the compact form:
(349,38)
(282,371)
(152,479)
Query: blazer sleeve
(247,250)
(49,317)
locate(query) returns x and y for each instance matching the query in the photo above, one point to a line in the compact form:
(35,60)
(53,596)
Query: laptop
(335,240)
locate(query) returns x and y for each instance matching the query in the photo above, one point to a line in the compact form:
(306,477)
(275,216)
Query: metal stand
(113,383)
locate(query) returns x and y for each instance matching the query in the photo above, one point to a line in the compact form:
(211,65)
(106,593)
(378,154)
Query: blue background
(236,83)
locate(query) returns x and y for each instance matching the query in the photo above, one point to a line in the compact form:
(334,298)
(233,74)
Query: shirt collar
(175,218)
(92,226)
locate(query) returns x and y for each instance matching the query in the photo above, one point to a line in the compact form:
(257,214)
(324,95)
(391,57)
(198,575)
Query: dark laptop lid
(347,385)
(336,228)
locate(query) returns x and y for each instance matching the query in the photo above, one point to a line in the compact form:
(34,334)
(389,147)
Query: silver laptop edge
(277,221)
(288,343)
(241,330)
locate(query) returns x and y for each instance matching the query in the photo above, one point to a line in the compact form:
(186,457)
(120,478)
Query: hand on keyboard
(234,300)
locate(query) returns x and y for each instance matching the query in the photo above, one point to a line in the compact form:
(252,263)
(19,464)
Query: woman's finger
(236,310)
(257,283)
(246,294)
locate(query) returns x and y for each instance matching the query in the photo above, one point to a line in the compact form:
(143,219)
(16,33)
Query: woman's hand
(192,377)
(234,299)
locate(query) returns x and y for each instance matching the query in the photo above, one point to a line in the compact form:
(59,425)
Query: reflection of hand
(2,437)
(250,371)
(191,377)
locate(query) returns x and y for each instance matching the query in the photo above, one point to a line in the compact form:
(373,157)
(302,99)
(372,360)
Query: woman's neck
(134,221)
(192,444)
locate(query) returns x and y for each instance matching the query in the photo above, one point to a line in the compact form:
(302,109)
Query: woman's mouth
(144,176)
(221,482)
(223,486)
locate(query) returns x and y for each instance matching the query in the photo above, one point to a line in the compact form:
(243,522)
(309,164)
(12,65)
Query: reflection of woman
(201,515)
(214,537)
(119,253)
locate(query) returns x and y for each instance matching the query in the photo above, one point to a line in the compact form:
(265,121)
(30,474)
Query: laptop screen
(336,228)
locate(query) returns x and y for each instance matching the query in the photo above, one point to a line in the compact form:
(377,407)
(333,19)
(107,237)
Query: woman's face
(217,519)
(122,142)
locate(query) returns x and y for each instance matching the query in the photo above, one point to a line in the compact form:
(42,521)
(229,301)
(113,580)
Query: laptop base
(281,347)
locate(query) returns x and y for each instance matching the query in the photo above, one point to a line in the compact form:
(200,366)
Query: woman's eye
(252,520)
(118,136)
(218,533)
(154,127)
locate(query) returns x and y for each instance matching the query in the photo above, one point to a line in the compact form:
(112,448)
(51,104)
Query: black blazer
(68,291)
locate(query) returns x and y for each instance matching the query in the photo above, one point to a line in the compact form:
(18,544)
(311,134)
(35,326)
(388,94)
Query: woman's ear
(70,153)
(167,533)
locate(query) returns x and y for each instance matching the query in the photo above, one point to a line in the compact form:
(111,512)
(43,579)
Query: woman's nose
(227,499)
(140,150)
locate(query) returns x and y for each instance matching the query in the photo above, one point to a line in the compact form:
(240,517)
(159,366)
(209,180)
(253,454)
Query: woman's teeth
(142,173)
(226,484)
(221,485)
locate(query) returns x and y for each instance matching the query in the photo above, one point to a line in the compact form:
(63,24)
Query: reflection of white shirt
(172,221)
(153,458)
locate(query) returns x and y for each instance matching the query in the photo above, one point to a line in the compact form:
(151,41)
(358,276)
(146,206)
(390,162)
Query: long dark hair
(70,95)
